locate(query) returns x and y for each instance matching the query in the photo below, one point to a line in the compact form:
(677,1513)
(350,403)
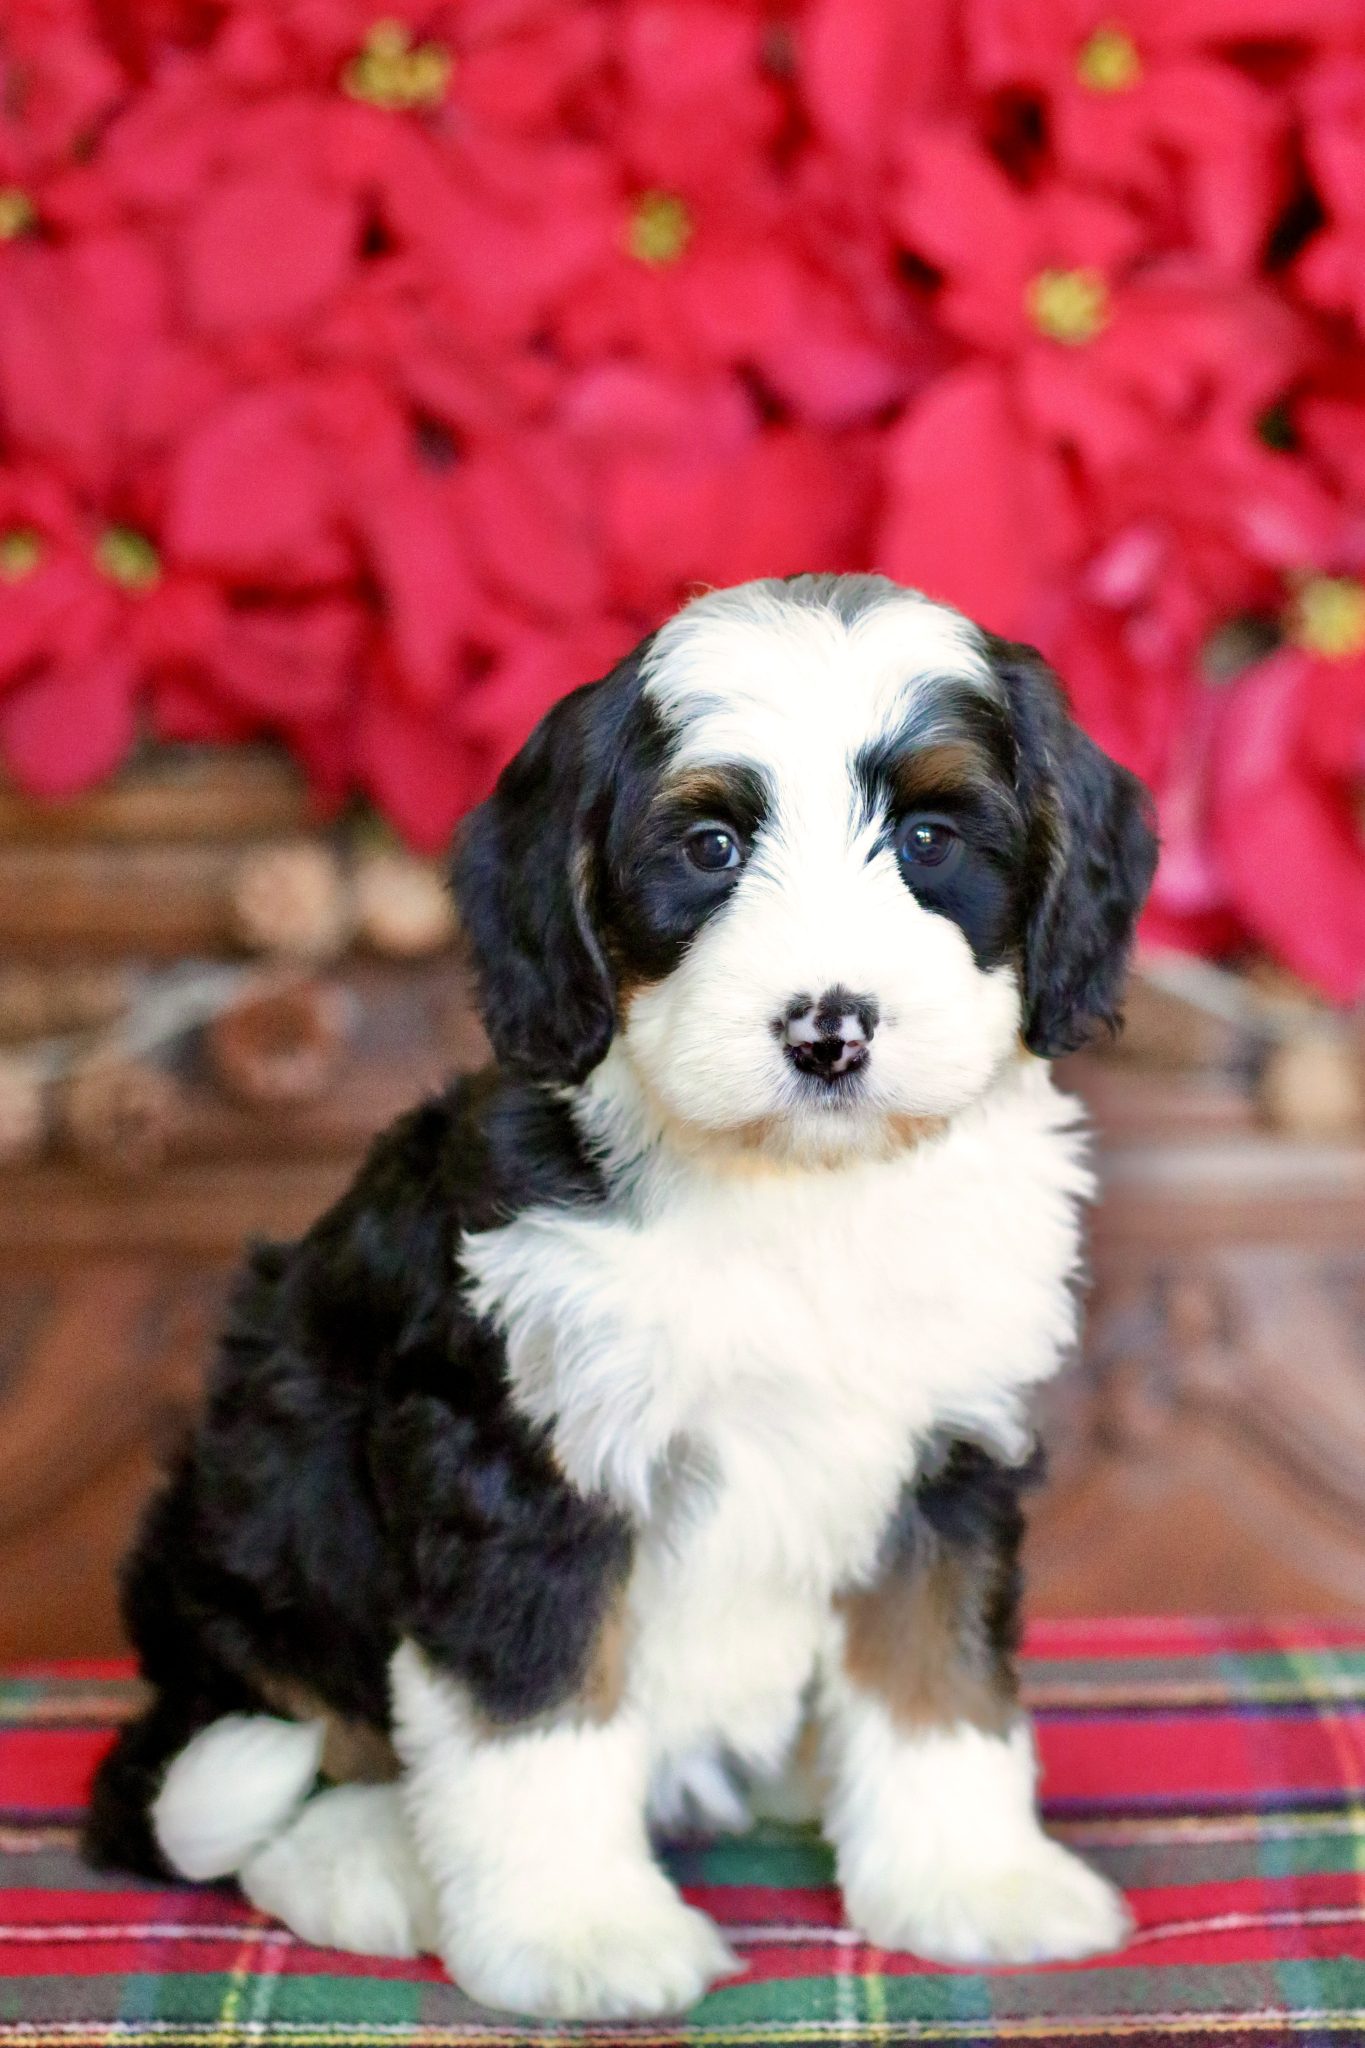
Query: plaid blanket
(1217,1772)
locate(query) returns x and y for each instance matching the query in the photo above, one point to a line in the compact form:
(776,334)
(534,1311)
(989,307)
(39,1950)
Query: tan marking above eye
(927,774)
(700,791)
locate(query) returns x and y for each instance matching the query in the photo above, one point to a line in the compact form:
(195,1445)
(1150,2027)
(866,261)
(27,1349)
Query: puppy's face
(809,857)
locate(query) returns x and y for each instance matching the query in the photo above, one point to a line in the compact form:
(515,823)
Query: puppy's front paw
(635,1955)
(1038,1904)
(344,1875)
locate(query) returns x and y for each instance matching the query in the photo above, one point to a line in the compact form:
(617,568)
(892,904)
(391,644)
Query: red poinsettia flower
(713,256)
(1136,102)
(717,273)
(98,619)
(59,79)
(308,146)
(1288,772)
(93,377)
(1331,270)
(1109,346)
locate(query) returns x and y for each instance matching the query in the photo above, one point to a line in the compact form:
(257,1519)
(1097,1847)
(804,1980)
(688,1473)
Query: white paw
(343,1875)
(634,1956)
(1040,1905)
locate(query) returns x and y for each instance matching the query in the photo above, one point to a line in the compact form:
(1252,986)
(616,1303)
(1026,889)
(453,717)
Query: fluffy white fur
(344,1874)
(232,1787)
(939,1845)
(797,1330)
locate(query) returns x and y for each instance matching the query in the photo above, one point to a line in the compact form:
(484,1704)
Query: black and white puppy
(669,1380)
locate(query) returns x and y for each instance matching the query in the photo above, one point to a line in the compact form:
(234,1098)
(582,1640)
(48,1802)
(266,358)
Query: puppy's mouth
(829,1064)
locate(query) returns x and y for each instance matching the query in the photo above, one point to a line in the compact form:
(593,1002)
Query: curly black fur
(359,1475)
(1092,852)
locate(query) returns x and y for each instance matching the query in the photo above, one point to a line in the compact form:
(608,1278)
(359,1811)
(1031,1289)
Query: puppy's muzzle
(828,1037)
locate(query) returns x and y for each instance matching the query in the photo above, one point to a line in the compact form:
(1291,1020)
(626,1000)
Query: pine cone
(120,1114)
(403,907)
(279,1045)
(22,1112)
(1312,1085)
(292,900)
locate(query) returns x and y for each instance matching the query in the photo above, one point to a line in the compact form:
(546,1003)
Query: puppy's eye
(927,843)
(712,848)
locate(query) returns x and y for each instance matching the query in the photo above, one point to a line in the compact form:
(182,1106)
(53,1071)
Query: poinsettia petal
(265,249)
(413,764)
(415,548)
(527,515)
(250,495)
(986,547)
(289,663)
(1287,835)
(955,207)
(868,66)
(71,725)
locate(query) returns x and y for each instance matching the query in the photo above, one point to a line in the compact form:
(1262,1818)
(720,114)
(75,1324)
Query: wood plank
(203,1211)
(104,1384)
(177,794)
(156,902)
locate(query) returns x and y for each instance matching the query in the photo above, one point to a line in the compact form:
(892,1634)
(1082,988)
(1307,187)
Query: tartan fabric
(1216,1771)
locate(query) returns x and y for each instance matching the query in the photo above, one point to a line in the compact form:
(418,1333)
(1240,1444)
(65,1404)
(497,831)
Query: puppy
(670,1378)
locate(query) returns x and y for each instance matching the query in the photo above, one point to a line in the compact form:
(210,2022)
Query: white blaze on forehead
(754,674)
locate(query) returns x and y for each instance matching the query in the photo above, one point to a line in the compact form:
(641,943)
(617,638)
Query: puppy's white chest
(783,1340)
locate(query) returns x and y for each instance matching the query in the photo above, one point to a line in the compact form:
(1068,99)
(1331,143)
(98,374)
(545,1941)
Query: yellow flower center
(20,553)
(391,71)
(660,228)
(128,558)
(1070,306)
(1109,61)
(17,212)
(1328,617)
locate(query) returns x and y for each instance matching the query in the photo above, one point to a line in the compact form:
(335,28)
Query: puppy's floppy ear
(524,873)
(1092,852)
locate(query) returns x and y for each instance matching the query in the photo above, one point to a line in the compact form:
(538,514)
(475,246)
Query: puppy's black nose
(828,1036)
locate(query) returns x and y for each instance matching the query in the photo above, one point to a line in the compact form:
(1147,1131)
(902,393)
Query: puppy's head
(815,858)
